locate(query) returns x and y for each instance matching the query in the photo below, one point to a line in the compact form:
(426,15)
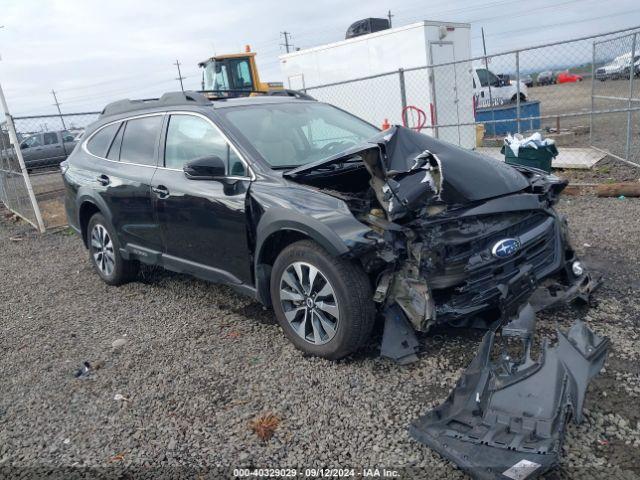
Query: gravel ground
(607,170)
(180,368)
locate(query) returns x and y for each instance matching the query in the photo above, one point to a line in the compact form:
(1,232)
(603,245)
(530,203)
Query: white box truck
(351,75)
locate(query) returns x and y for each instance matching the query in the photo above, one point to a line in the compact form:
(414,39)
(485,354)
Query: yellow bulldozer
(235,75)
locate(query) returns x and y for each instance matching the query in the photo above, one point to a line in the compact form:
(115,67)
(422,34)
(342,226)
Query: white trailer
(371,76)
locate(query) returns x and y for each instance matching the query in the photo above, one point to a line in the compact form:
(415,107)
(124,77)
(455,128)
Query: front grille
(468,274)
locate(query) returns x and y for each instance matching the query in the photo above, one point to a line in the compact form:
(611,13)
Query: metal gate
(16,192)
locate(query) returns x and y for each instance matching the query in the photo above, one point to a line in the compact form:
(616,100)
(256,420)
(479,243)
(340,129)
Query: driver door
(203,222)
(32,150)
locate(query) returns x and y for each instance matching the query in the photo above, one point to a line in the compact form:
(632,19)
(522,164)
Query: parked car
(294,203)
(527,80)
(501,91)
(546,78)
(47,149)
(619,68)
(567,77)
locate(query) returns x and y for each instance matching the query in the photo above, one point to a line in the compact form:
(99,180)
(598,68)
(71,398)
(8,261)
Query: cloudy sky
(92,52)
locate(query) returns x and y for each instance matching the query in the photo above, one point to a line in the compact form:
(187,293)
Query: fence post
(403,91)
(13,139)
(518,90)
(632,68)
(593,91)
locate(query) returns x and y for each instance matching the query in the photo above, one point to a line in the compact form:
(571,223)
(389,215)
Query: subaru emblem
(505,248)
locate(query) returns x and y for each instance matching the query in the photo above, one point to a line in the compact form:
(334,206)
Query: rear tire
(323,303)
(104,253)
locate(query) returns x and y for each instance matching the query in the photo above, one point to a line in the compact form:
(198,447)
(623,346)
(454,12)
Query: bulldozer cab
(234,75)
(230,75)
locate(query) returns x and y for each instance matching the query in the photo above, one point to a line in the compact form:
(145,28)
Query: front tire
(323,303)
(104,253)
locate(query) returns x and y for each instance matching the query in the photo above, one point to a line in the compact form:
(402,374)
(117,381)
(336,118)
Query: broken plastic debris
(523,409)
(84,371)
(118,397)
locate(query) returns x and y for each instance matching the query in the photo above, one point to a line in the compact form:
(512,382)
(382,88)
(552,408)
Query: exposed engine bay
(469,241)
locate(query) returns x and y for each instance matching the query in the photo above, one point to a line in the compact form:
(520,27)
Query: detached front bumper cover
(506,418)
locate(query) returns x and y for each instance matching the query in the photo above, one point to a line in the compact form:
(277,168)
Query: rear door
(204,223)
(53,151)
(129,151)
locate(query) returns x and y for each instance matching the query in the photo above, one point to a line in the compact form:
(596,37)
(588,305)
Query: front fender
(324,219)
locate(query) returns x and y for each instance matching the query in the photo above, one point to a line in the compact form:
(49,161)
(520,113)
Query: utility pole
(57,104)
(180,77)
(286,43)
(389,16)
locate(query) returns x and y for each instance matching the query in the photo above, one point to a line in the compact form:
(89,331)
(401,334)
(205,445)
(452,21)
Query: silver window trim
(251,177)
(122,120)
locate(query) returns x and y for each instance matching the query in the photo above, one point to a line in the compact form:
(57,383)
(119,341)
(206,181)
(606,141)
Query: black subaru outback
(320,215)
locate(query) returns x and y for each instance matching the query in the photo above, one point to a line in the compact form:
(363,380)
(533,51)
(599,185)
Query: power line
(180,77)
(538,27)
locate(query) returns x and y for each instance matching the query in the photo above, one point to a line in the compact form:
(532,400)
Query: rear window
(140,140)
(99,143)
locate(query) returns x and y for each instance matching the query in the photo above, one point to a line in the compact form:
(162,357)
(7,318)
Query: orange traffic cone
(386,125)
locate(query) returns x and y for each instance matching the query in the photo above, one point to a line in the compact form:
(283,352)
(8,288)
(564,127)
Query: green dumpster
(531,157)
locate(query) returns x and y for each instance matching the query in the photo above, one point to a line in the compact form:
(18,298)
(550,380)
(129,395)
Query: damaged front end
(455,230)
(469,241)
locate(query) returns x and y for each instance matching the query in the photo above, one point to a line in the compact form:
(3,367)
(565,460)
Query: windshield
(295,134)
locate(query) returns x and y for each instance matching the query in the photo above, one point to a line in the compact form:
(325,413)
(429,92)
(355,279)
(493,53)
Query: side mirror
(23,146)
(205,168)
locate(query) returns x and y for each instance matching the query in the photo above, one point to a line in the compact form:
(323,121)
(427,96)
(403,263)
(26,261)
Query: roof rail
(166,100)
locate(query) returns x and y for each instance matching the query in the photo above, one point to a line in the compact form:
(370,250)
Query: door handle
(161,190)
(103,180)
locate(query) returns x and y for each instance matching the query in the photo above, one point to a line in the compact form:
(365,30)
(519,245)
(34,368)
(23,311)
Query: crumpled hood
(467,176)
(409,168)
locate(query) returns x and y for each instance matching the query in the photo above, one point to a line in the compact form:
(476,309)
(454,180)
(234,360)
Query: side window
(99,143)
(50,138)
(32,142)
(67,136)
(140,139)
(243,74)
(114,150)
(190,137)
(483,76)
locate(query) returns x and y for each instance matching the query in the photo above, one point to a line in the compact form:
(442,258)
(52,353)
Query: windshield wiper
(284,167)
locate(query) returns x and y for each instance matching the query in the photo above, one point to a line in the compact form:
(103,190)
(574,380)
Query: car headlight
(64,166)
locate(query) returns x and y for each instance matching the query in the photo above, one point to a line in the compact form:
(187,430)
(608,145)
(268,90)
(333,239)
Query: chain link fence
(31,150)
(15,188)
(616,93)
(16,192)
(554,89)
